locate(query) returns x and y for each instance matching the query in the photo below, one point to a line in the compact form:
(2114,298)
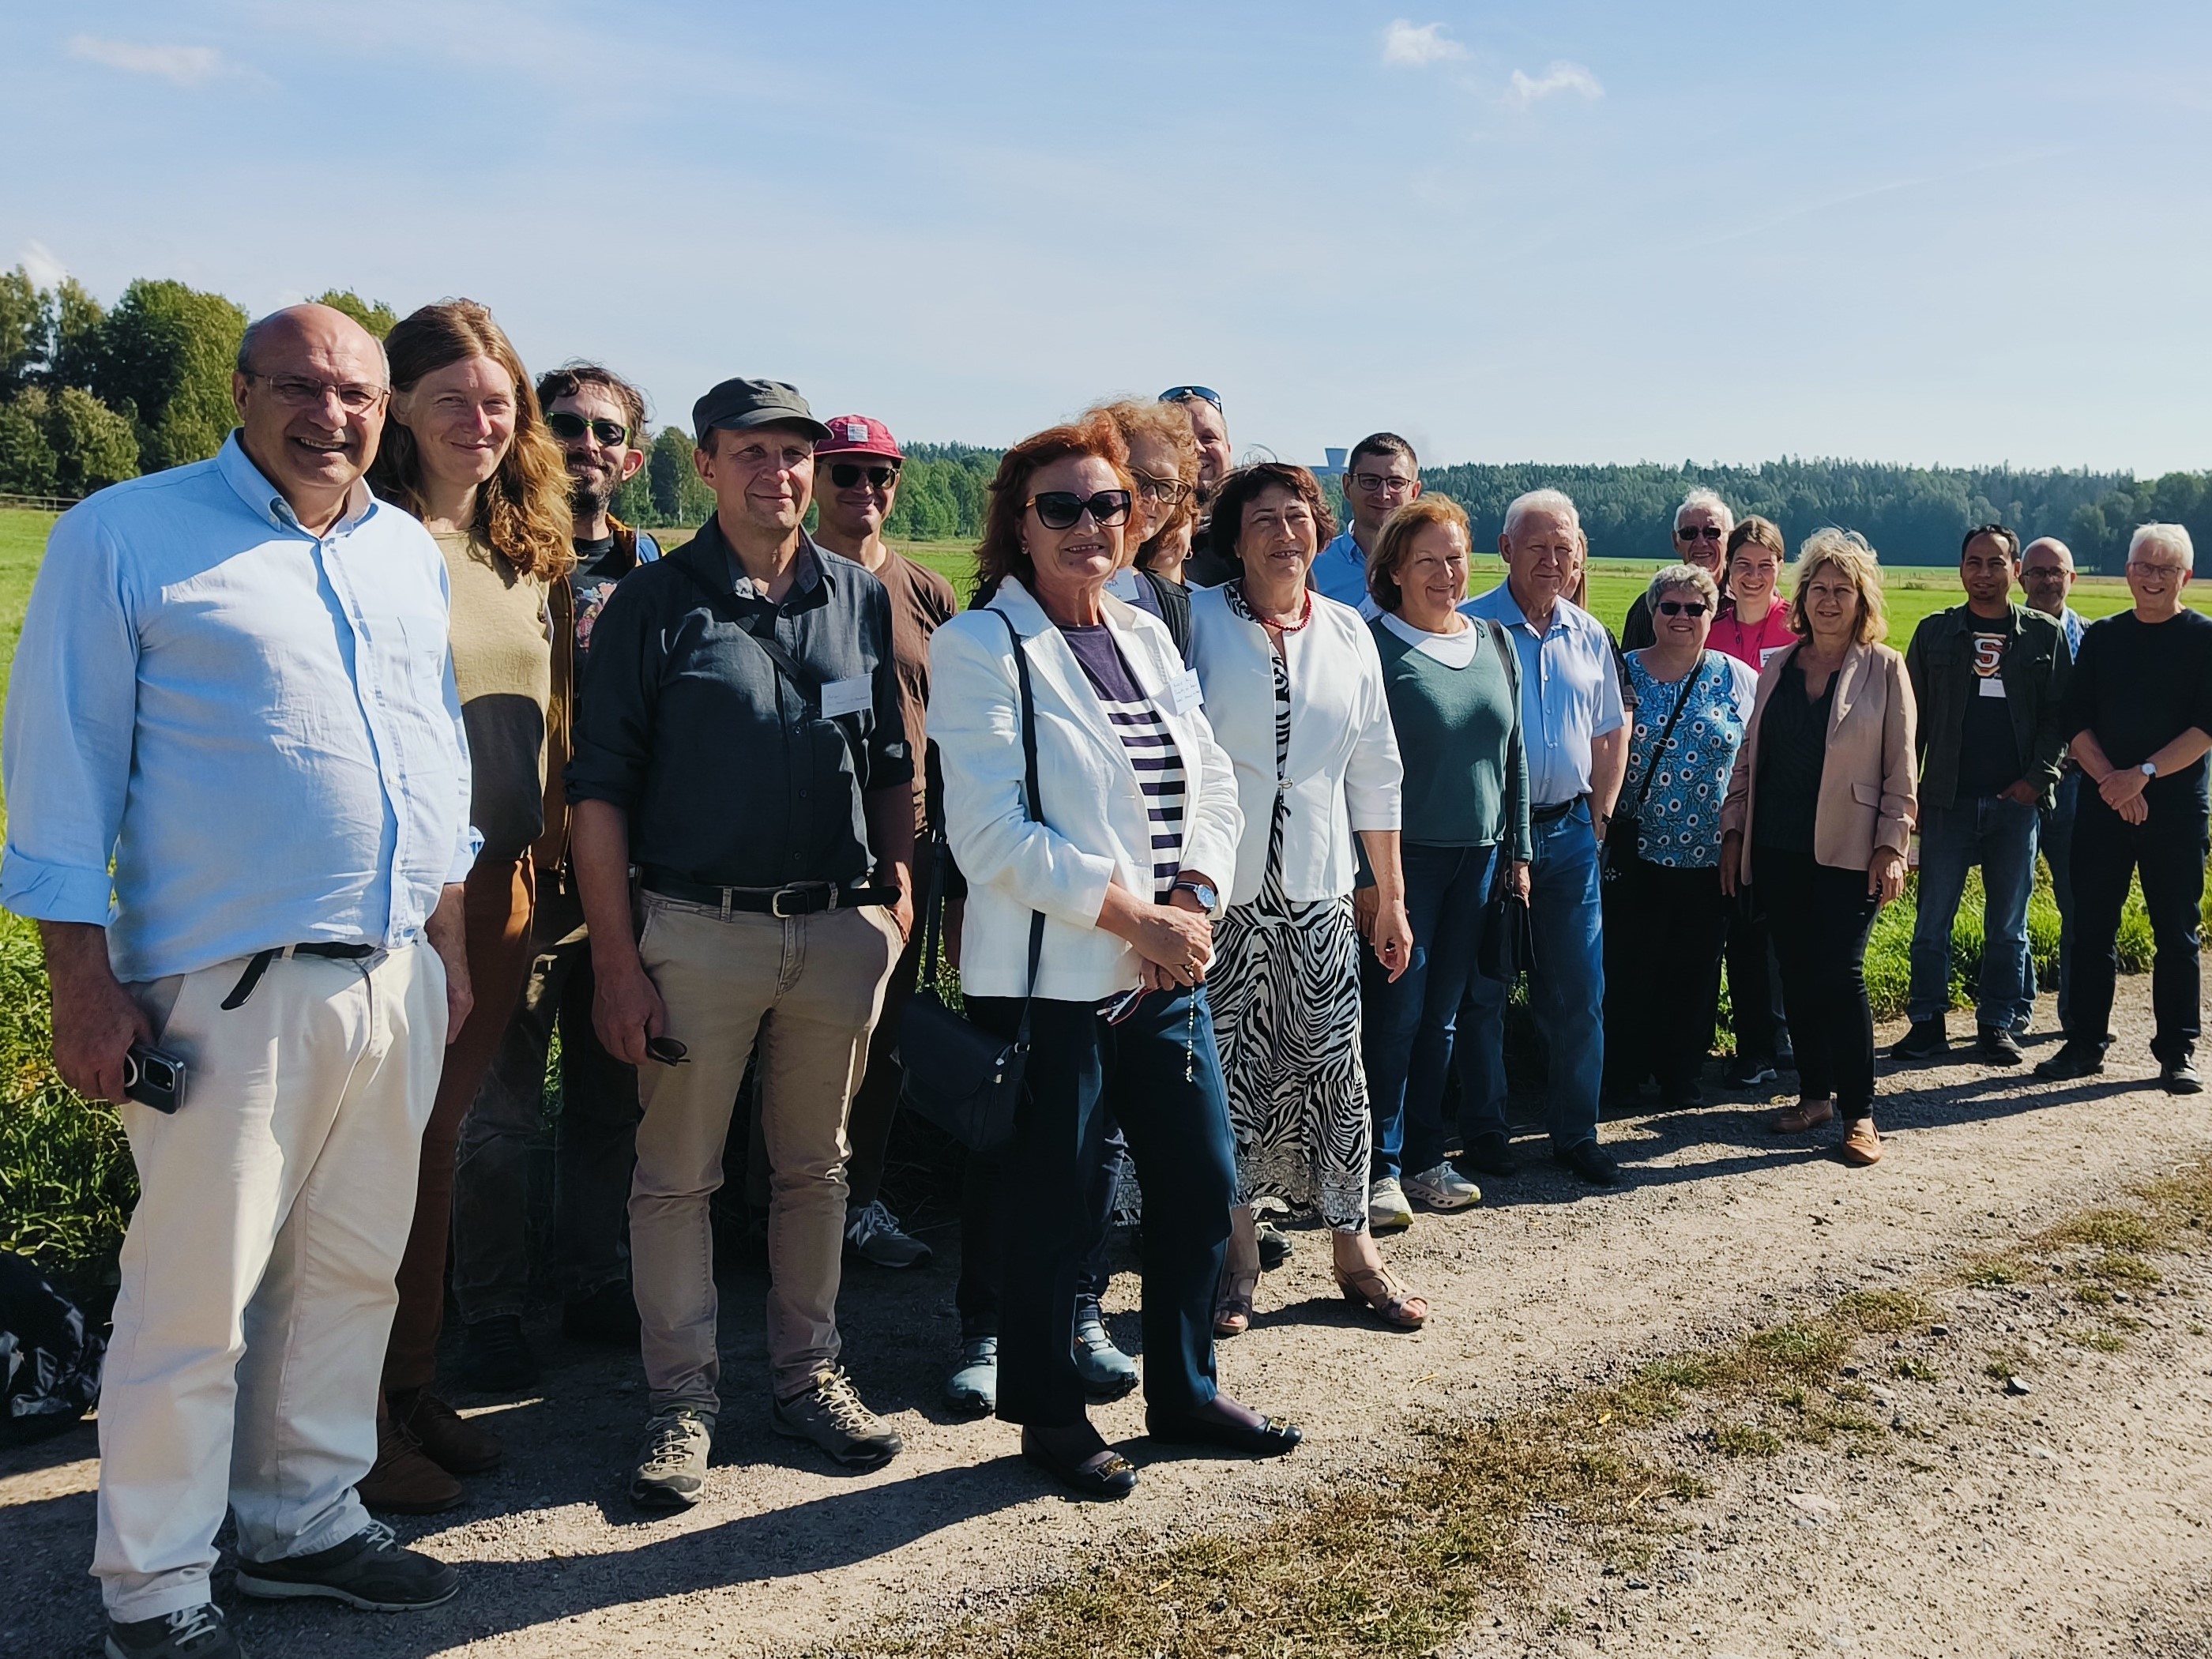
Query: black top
(1989,748)
(731,774)
(2138,686)
(1793,753)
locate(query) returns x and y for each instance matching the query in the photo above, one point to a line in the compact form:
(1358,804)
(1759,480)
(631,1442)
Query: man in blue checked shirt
(234,684)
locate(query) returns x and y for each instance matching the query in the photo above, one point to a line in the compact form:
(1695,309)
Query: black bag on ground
(49,1361)
(1507,947)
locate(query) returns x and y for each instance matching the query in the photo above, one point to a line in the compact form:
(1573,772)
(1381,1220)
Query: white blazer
(1096,828)
(1343,768)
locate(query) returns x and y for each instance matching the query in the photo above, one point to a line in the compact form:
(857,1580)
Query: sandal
(1233,1307)
(1382,1296)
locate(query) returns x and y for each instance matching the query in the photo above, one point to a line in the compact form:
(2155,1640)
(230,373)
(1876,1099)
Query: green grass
(22,546)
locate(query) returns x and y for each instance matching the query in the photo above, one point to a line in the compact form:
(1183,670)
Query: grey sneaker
(189,1633)
(873,1234)
(369,1571)
(974,1388)
(831,1415)
(1386,1209)
(672,1468)
(1442,1187)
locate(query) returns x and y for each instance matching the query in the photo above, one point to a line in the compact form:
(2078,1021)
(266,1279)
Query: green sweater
(1458,729)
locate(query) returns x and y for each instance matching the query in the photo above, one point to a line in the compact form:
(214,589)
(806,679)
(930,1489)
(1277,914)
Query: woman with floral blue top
(1664,920)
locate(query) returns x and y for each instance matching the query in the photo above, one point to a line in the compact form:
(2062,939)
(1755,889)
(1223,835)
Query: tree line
(91,396)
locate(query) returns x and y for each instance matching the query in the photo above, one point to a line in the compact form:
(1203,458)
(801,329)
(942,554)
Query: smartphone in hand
(153,1078)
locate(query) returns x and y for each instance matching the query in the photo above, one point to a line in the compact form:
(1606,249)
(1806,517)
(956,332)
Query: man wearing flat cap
(740,744)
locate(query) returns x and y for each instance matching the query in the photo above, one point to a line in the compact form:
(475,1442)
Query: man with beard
(1210,426)
(599,420)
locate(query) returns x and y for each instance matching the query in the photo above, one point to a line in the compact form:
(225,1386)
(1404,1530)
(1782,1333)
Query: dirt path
(1998,1549)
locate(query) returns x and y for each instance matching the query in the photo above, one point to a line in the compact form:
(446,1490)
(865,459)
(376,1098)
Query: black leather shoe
(1490,1153)
(1926,1040)
(1267,1438)
(1996,1046)
(2075,1059)
(1070,1456)
(2181,1077)
(1590,1161)
(1274,1245)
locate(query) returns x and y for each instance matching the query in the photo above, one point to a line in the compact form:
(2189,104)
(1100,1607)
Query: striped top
(1145,735)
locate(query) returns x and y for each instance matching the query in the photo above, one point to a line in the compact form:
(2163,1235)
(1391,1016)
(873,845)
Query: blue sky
(1951,232)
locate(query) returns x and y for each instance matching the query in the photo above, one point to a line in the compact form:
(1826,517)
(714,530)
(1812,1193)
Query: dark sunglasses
(667,1050)
(1176,394)
(1060,509)
(1699,533)
(570,427)
(846,474)
(1682,607)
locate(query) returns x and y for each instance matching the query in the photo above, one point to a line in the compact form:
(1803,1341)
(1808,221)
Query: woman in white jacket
(1294,688)
(1139,826)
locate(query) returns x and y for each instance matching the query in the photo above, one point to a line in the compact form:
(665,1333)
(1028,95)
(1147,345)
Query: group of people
(347,769)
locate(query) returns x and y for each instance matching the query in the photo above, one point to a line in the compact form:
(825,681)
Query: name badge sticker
(852,696)
(1993,687)
(1183,692)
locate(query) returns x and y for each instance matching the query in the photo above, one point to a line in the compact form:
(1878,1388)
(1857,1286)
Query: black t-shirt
(1989,748)
(1793,753)
(2139,686)
(591,578)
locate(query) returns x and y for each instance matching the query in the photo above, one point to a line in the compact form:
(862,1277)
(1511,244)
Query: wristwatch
(2148,768)
(1203,891)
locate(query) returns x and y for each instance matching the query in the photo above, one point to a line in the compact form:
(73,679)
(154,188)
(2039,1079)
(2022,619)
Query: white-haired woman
(1818,810)
(1701,523)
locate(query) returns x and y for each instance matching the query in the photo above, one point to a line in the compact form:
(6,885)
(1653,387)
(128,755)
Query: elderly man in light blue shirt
(1382,474)
(234,683)
(1576,729)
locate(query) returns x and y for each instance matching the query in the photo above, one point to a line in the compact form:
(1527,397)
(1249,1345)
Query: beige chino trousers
(806,990)
(258,1272)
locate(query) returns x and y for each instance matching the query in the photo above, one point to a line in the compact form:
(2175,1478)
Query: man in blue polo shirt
(1576,727)
(1380,477)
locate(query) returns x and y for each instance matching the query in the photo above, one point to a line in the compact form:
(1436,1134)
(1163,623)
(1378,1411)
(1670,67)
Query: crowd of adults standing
(1240,829)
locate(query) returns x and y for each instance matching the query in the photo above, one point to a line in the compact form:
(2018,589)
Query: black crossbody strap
(802,679)
(1510,659)
(1667,735)
(1034,797)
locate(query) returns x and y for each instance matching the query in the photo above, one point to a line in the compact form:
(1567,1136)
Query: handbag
(1508,949)
(964,1080)
(1621,834)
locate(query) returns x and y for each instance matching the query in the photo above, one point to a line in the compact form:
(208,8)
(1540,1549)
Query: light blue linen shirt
(1570,691)
(1339,573)
(258,727)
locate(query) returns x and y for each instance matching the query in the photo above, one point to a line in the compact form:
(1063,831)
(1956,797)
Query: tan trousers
(257,1273)
(807,988)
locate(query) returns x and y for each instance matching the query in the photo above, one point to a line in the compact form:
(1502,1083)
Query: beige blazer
(1868,795)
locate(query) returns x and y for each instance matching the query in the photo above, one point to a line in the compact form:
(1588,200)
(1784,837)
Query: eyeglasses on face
(1380,483)
(1698,532)
(1168,492)
(1061,509)
(569,427)
(1682,607)
(299,391)
(846,474)
(1178,394)
(2172,573)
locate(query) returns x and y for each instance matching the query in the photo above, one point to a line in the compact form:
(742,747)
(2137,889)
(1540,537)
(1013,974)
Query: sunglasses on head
(562,425)
(1698,532)
(846,474)
(1682,607)
(1060,509)
(1177,394)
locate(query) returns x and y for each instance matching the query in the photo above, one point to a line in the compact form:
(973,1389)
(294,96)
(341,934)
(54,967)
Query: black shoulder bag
(1622,833)
(1508,949)
(963,1079)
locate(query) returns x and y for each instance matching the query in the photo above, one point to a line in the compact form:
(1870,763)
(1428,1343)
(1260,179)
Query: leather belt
(259,965)
(800,898)
(1553,814)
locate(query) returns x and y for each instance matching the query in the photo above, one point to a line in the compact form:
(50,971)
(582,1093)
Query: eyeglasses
(1177,394)
(1698,532)
(846,474)
(1168,492)
(569,427)
(1060,509)
(298,391)
(1380,483)
(1682,607)
(2172,573)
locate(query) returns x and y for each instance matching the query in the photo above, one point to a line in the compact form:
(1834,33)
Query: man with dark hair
(1209,424)
(599,420)
(1987,676)
(1381,475)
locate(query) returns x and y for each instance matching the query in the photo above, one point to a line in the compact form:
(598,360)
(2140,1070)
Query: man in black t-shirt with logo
(1987,676)
(2139,712)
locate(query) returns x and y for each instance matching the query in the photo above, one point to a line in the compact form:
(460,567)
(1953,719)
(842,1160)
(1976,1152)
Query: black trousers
(1820,917)
(1664,928)
(1754,983)
(2167,849)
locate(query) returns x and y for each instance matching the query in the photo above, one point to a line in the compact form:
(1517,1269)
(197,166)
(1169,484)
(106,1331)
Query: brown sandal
(1233,1307)
(1383,1297)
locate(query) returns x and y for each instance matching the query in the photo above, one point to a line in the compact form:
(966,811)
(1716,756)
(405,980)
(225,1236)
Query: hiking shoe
(1275,1245)
(2075,1059)
(1996,1046)
(1805,1115)
(495,1356)
(449,1439)
(872,1232)
(973,1385)
(1107,1372)
(1386,1209)
(188,1633)
(671,1466)
(830,1414)
(1589,1161)
(1443,1189)
(1926,1040)
(608,1315)
(1492,1153)
(2181,1077)
(1747,1072)
(404,1480)
(1861,1145)
(369,1571)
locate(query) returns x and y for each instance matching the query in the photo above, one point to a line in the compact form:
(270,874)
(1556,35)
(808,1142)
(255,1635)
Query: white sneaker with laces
(1386,1209)
(872,1233)
(1443,1189)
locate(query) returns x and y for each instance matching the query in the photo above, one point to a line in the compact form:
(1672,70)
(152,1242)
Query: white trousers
(257,1273)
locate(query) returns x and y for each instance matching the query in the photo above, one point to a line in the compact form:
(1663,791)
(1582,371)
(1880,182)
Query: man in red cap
(857,473)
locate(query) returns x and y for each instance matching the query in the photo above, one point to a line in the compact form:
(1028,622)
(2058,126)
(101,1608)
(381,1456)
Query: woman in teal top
(1454,687)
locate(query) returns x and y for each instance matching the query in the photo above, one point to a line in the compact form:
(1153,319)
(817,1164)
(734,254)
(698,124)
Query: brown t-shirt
(503,669)
(921,600)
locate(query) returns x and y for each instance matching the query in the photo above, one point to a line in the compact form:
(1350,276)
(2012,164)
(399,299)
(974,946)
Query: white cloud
(41,267)
(1405,46)
(184,66)
(1562,76)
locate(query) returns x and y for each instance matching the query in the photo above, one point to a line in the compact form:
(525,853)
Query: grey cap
(739,403)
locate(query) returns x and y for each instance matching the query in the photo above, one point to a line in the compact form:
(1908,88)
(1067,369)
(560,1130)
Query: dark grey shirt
(731,774)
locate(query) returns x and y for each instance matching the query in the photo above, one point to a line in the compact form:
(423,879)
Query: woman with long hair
(468,452)
(1163,465)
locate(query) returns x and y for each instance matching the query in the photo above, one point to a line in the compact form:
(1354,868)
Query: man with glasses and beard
(599,420)
(1210,426)
(1381,475)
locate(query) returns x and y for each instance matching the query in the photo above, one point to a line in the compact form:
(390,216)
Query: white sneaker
(872,1233)
(1386,1209)
(1444,1188)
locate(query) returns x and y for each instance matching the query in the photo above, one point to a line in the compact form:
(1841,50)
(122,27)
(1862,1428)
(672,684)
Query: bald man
(234,684)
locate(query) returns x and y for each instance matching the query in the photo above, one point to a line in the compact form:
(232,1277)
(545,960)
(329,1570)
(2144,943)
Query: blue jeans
(1566,988)
(1406,1036)
(2055,834)
(1999,835)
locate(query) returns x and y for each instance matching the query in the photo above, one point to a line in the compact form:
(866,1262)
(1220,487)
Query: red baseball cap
(859,434)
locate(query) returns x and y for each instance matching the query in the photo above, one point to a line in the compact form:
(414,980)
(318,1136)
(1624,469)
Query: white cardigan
(1343,766)
(1095,828)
